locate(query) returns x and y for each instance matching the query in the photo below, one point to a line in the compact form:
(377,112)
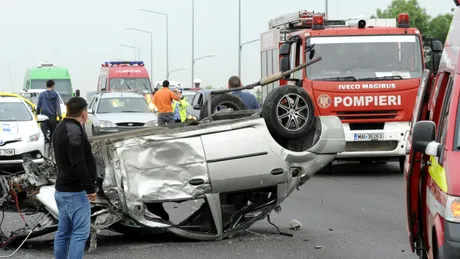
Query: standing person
(49,104)
(180,107)
(75,183)
(248,99)
(163,101)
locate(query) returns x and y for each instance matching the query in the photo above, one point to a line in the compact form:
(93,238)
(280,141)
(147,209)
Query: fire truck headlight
(453,208)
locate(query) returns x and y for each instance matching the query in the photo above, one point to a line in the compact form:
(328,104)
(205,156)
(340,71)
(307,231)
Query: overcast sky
(80,35)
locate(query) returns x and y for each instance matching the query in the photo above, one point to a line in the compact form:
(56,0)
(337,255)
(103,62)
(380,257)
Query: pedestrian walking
(180,107)
(163,101)
(49,104)
(248,99)
(76,181)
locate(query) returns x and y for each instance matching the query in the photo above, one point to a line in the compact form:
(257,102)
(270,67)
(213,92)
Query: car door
(90,122)
(412,165)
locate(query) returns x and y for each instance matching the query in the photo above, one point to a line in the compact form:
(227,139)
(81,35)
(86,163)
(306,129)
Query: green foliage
(419,18)
(259,95)
(439,26)
(208,87)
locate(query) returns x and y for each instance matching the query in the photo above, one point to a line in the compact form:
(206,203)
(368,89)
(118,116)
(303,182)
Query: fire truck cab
(431,169)
(132,76)
(368,76)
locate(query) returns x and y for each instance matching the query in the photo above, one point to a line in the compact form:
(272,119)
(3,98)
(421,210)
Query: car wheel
(401,159)
(93,132)
(288,112)
(227,100)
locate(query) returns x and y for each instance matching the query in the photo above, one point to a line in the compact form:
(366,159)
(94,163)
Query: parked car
(20,134)
(29,103)
(112,112)
(32,96)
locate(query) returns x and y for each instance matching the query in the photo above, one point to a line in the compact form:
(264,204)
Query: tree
(439,26)
(419,18)
(208,87)
(259,95)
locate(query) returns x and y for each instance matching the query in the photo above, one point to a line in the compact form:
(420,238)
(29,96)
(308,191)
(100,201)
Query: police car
(20,134)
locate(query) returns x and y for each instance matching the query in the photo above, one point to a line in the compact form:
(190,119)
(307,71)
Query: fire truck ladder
(299,20)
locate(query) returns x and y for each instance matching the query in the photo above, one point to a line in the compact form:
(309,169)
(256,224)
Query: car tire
(401,159)
(279,117)
(228,100)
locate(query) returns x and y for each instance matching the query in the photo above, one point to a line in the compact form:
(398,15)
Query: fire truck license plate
(368,136)
(6,152)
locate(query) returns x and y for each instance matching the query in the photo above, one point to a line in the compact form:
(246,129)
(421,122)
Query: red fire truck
(116,76)
(369,76)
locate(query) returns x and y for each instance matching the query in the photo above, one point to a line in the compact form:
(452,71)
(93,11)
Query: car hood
(126,117)
(15,130)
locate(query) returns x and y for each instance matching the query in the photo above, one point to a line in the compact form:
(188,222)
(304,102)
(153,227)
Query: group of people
(76,167)
(172,107)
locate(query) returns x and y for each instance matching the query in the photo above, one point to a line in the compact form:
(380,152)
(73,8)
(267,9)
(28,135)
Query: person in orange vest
(163,99)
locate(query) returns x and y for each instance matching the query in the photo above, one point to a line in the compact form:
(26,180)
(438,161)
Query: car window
(14,111)
(125,104)
(96,99)
(442,132)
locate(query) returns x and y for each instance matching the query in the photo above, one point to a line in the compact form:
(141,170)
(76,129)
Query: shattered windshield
(130,84)
(115,105)
(358,58)
(14,111)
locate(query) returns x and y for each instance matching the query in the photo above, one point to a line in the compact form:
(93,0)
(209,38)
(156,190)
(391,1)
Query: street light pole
(167,37)
(326,9)
(175,70)
(239,38)
(239,54)
(132,47)
(151,48)
(193,42)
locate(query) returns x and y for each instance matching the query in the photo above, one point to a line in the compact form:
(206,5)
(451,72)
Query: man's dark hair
(49,83)
(234,82)
(75,106)
(165,83)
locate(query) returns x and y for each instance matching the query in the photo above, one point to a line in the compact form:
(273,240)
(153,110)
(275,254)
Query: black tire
(228,100)
(401,159)
(271,110)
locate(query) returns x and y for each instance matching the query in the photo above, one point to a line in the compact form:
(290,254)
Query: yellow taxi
(31,104)
(28,102)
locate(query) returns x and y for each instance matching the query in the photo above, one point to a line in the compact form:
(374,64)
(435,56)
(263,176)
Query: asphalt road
(355,212)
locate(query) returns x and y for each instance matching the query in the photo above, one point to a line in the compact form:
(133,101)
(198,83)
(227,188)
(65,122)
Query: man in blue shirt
(246,97)
(49,105)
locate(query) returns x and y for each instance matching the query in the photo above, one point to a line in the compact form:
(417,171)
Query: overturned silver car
(206,181)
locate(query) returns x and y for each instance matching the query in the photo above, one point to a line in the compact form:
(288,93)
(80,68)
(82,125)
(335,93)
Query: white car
(33,94)
(20,134)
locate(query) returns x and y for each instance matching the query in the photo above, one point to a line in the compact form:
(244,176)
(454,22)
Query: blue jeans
(166,118)
(74,224)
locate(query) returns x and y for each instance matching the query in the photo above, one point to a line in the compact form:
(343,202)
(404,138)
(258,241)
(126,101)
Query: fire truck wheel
(288,112)
(224,100)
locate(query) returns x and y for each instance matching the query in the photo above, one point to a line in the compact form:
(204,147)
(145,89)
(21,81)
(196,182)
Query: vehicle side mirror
(90,111)
(77,92)
(437,46)
(285,64)
(197,107)
(436,61)
(42,118)
(423,138)
(312,51)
